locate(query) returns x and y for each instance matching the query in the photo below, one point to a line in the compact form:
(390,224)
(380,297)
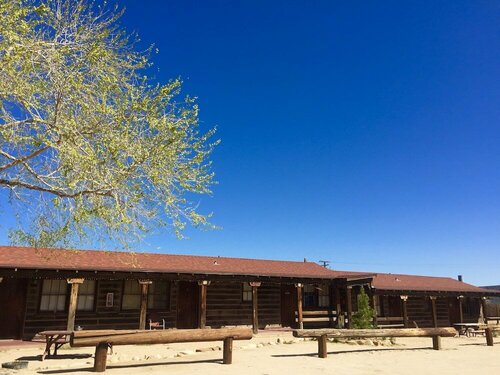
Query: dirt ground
(274,353)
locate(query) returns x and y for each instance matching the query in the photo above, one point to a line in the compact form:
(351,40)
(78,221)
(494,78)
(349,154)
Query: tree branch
(16,161)
(61,194)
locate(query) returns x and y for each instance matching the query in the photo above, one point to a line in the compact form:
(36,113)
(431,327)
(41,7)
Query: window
(86,296)
(53,295)
(310,296)
(247,292)
(158,295)
(131,295)
(324,296)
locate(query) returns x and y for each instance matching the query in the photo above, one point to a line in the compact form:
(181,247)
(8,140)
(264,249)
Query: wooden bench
(102,339)
(493,318)
(318,316)
(322,334)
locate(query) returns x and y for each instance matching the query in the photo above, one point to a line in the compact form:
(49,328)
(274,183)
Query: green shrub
(363,318)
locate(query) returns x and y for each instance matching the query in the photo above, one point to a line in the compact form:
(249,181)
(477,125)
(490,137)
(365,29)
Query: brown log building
(53,289)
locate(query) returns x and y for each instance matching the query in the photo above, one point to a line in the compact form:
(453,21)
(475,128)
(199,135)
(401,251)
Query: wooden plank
(396,332)
(154,337)
(390,319)
(338,306)
(405,311)
(227,358)
(73,300)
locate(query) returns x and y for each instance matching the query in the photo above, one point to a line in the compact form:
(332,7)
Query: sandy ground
(265,355)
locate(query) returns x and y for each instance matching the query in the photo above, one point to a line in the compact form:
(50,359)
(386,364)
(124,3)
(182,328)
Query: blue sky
(364,133)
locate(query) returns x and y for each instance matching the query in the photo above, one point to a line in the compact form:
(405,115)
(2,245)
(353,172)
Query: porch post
(434,311)
(349,306)
(483,307)
(461,308)
(144,302)
(405,310)
(202,318)
(73,300)
(255,304)
(299,305)
(338,306)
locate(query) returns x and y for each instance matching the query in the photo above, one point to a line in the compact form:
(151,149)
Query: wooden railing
(318,316)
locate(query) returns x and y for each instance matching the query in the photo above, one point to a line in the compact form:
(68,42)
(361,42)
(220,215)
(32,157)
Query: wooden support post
(405,311)
(202,318)
(73,301)
(485,312)
(349,306)
(461,308)
(488,332)
(144,302)
(101,355)
(227,358)
(436,342)
(299,305)
(434,311)
(255,308)
(338,308)
(322,351)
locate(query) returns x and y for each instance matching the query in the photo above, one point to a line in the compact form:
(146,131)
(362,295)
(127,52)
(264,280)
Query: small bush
(363,318)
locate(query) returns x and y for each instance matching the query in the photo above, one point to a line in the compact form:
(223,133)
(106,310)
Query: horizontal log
(396,332)
(310,320)
(309,312)
(390,319)
(130,337)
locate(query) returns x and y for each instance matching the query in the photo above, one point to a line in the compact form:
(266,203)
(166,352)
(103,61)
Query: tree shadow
(315,354)
(59,356)
(125,366)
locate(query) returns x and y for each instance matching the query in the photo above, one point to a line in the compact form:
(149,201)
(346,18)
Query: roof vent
(397,279)
(216,263)
(460,278)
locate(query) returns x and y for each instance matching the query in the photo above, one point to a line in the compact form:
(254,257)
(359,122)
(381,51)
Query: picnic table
(467,329)
(55,339)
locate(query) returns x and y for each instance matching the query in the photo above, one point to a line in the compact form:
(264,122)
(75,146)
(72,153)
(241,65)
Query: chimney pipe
(460,278)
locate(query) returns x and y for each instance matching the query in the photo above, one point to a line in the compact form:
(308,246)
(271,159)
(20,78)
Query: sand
(265,355)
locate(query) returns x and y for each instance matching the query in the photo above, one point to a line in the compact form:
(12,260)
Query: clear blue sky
(364,133)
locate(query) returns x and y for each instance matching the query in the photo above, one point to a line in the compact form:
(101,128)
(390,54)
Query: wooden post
(299,305)
(488,332)
(338,307)
(436,342)
(322,351)
(202,318)
(461,308)
(349,306)
(73,301)
(405,311)
(101,355)
(434,311)
(255,304)
(485,312)
(144,302)
(227,358)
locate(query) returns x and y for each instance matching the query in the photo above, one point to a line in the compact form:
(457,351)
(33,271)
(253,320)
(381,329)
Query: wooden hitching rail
(102,339)
(322,334)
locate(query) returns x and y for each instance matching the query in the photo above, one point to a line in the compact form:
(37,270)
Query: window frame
(93,294)
(134,294)
(41,295)
(168,293)
(246,293)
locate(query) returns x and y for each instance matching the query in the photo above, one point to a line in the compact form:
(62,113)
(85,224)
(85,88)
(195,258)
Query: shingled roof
(389,281)
(94,260)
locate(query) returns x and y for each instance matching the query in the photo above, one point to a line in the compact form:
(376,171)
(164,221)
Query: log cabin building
(53,289)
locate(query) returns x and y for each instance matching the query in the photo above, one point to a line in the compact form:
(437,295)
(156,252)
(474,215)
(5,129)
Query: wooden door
(188,295)
(288,305)
(12,308)
(454,310)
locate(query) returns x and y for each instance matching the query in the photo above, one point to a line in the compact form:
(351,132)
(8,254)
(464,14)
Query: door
(454,310)
(187,304)
(12,302)
(288,305)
